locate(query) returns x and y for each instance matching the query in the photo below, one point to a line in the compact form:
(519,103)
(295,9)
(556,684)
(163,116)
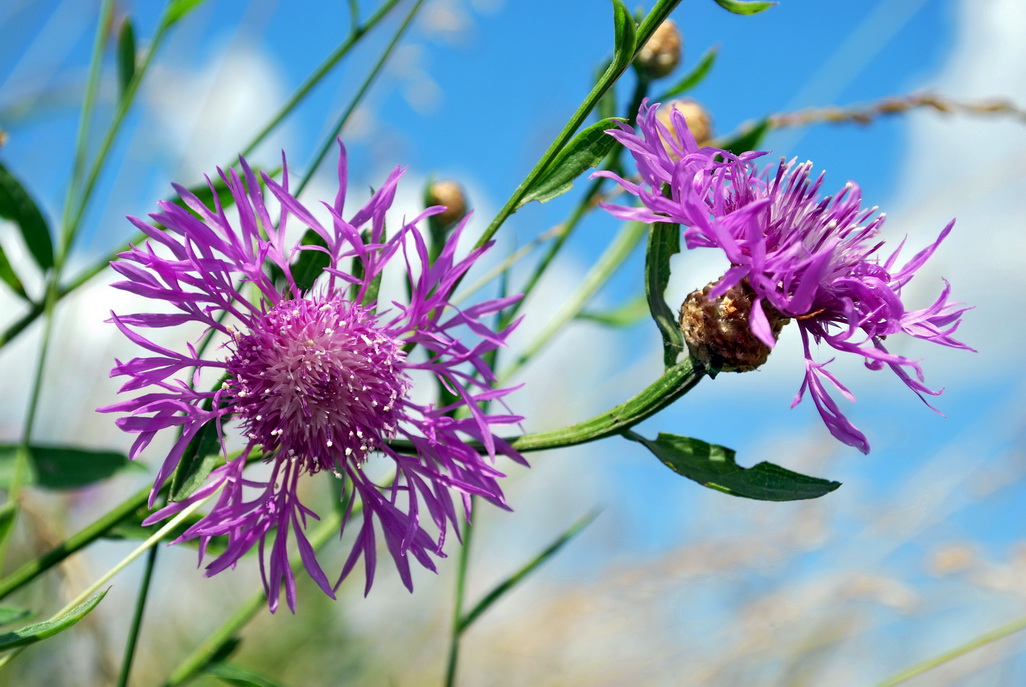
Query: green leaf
(8,516)
(310,264)
(236,675)
(587,150)
(9,615)
(126,55)
(606,107)
(199,459)
(714,467)
(623,316)
(663,244)
(17,205)
(31,634)
(61,467)
(131,529)
(745,6)
(624,36)
(177,9)
(694,77)
(517,577)
(9,276)
(746,140)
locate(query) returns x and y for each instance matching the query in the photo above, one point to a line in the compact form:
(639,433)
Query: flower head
(315,373)
(815,260)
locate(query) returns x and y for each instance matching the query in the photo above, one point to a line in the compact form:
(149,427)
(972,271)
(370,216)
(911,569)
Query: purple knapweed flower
(811,259)
(315,376)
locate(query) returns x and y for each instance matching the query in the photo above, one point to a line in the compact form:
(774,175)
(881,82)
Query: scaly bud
(661,53)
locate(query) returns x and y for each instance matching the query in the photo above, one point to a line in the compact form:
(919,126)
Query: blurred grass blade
(177,9)
(236,675)
(747,140)
(126,55)
(693,77)
(745,6)
(519,576)
(17,205)
(714,467)
(623,316)
(31,634)
(10,277)
(663,244)
(586,150)
(9,614)
(62,467)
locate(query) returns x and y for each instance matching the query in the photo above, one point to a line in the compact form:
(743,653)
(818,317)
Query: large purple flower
(315,374)
(802,257)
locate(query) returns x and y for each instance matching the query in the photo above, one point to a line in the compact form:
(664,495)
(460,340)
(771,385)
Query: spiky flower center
(318,381)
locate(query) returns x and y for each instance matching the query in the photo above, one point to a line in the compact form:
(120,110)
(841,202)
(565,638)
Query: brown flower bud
(718,333)
(698,120)
(661,53)
(449,194)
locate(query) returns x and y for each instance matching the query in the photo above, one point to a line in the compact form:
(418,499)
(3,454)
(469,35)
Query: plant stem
(988,638)
(457,613)
(133,630)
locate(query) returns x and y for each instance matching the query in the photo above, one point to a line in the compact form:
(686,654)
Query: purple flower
(316,378)
(811,259)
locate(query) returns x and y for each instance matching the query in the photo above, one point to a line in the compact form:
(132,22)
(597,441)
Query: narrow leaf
(236,675)
(200,458)
(745,6)
(746,140)
(517,577)
(663,244)
(8,516)
(624,36)
(126,55)
(131,529)
(9,614)
(61,467)
(31,634)
(624,316)
(694,77)
(714,467)
(178,9)
(310,264)
(9,276)
(17,205)
(587,150)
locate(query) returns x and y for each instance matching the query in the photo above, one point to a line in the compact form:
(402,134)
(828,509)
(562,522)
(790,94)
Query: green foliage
(201,456)
(236,675)
(177,9)
(747,140)
(310,263)
(30,634)
(586,150)
(9,614)
(694,77)
(126,55)
(64,467)
(714,467)
(17,206)
(663,244)
(745,6)
(10,277)
(623,316)
(624,37)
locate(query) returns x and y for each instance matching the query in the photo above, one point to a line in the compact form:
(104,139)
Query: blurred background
(921,549)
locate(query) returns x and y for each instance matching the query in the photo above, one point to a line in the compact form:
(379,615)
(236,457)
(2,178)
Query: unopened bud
(718,332)
(698,121)
(449,194)
(661,53)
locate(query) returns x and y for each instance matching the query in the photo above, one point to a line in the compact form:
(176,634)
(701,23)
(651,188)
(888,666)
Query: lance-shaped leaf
(714,467)
(745,6)
(239,676)
(587,150)
(201,456)
(10,277)
(694,77)
(31,634)
(747,140)
(178,9)
(63,467)
(624,36)
(17,205)
(663,244)
(126,55)
(623,316)
(9,614)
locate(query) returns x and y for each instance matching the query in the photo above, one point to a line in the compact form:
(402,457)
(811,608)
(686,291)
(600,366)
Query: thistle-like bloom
(810,259)
(316,374)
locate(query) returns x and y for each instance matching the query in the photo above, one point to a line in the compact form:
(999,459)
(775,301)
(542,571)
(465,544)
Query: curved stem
(994,635)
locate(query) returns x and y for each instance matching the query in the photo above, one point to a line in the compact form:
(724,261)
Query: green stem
(213,645)
(356,33)
(133,630)
(73,544)
(645,31)
(364,87)
(993,636)
(615,254)
(457,612)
